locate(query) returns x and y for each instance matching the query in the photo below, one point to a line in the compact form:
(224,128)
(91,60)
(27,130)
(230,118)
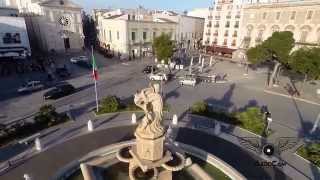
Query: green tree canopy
(163,47)
(277,47)
(306,61)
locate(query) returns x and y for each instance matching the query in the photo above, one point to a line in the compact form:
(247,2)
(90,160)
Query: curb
(305,160)
(291,97)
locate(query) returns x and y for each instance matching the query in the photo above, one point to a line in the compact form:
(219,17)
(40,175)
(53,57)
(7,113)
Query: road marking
(291,97)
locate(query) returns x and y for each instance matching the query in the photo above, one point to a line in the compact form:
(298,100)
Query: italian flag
(94,68)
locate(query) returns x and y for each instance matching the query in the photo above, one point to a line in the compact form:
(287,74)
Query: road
(123,79)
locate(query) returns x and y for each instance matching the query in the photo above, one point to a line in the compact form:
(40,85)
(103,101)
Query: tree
(163,47)
(307,62)
(276,48)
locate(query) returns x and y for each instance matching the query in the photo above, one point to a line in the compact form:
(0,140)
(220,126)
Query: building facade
(222,26)
(131,34)
(302,18)
(14,40)
(53,25)
(189,29)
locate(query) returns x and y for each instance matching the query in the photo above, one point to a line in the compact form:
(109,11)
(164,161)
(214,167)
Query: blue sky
(179,5)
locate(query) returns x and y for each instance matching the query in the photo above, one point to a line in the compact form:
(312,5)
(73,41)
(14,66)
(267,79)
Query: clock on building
(64,21)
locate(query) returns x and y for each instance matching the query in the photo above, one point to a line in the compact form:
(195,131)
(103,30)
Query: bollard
(211,60)
(175,119)
(134,118)
(38,144)
(217,128)
(26,177)
(90,126)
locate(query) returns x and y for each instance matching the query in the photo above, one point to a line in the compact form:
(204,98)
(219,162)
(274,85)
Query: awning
(219,49)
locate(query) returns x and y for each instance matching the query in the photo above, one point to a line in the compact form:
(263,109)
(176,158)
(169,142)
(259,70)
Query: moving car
(59,91)
(78,59)
(149,69)
(31,86)
(63,72)
(158,77)
(188,80)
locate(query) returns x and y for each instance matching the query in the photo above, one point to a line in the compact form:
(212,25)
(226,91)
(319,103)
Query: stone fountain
(150,154)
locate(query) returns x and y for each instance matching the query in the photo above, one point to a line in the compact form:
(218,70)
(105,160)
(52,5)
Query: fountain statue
(149,152)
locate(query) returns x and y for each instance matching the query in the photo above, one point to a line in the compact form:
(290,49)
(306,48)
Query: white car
(158,77)
(31,86)
(78,59)
(190,81)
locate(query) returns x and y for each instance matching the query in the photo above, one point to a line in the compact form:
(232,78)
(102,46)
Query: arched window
(304,33)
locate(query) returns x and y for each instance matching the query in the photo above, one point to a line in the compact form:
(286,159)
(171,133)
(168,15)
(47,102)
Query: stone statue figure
(150,101)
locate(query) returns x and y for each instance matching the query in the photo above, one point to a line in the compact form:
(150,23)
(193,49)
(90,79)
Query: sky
(179,5)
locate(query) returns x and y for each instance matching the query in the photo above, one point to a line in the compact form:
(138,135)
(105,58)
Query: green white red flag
(94,68)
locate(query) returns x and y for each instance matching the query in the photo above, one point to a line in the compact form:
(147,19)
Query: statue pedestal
(150,149)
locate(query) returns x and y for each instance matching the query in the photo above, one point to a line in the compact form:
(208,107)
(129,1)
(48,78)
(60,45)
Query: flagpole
(95,84)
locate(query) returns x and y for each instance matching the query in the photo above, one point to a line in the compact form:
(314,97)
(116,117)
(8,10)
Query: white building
(302,18)
(14,41)
(130,32)
(199,12)
(53,25)
(189,29)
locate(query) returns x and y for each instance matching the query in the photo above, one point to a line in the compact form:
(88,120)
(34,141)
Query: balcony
(208,34)
(234,35)
(215,34)
(237,16)
(226,35)
(236,26)
(228,17)
(206,42)
(209,25)
(210,17)
(217,17)
(227,26)
(216,25)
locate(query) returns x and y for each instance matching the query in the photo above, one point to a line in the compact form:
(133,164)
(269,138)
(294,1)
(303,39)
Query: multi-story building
(53,25)
(302,18)
(189,29)
(131,32)
(14,41)
(222,27)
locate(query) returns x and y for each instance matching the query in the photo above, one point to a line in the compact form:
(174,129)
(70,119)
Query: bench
(29,139)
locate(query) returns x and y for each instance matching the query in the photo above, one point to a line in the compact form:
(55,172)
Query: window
(226,33)
(133,36)
(144,35)
(234,43)
(118,35)
(11,38)
(225,42)
(309,15)
(264,16)
(216,33)
(278,15)
(293,15)
(110,36)
(133,17)
(236,25)
(229,15)
(227,24)
(215,41)
(235,34)
(304,35)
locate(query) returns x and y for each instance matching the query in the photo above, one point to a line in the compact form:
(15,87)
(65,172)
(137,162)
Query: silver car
(31,86)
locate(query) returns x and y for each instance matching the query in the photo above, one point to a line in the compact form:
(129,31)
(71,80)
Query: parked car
(189,81)
(149,69)
(59,91)
(31,86)
(63,72)
(78,59)
(158,77)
